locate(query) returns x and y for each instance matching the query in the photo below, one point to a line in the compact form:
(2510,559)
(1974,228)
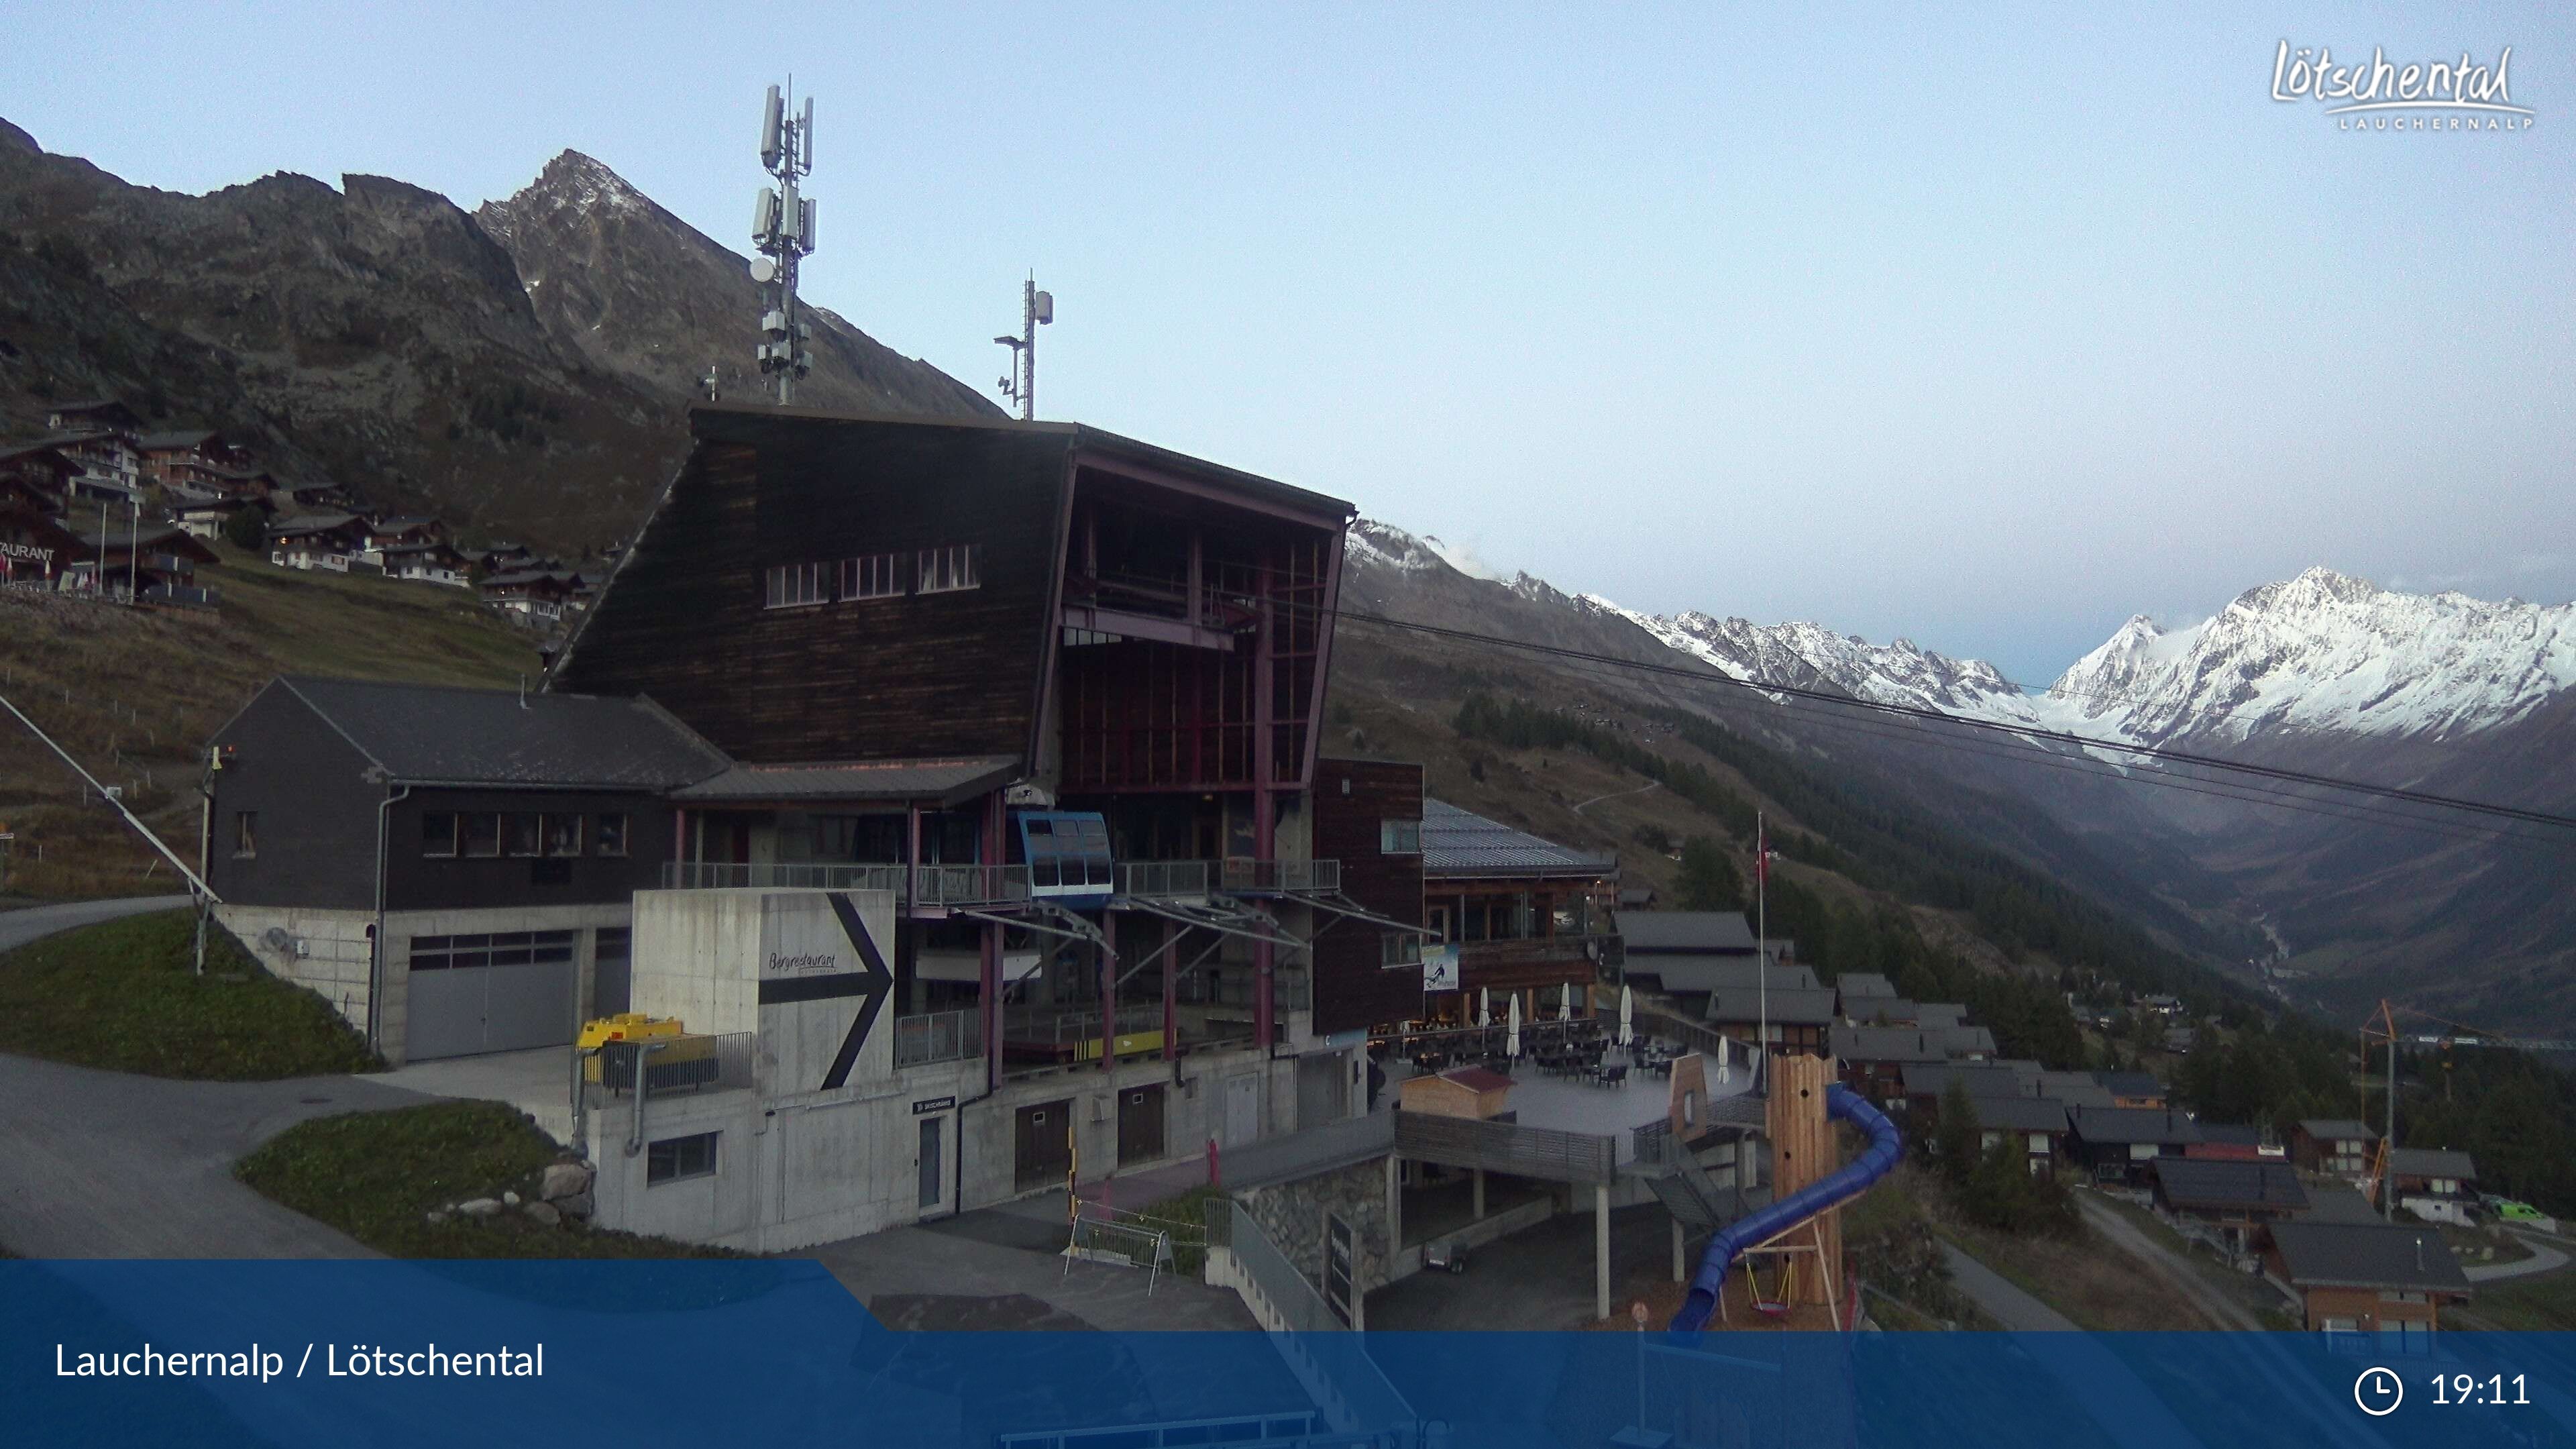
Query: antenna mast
(1036,309)
(782,228)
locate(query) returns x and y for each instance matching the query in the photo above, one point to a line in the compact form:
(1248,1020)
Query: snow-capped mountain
(2326,651)
(2323,651)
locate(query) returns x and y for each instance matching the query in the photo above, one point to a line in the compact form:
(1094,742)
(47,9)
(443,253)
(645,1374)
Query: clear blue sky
(1985,330)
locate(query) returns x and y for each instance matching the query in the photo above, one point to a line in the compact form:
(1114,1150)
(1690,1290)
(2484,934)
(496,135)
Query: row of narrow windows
(946,569)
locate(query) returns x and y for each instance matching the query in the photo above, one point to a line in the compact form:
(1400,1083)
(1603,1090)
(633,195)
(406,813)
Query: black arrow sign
(873,983)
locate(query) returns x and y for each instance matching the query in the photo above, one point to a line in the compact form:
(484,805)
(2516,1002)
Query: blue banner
(779,1353)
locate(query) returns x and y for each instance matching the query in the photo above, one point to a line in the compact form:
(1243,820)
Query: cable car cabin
(1068,856)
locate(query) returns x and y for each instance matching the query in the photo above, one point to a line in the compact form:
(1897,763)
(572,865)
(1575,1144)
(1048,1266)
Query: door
(1140,1124)
(1242,1110)
(934,1133)
(1041,1150)
(506,991)
(612,981)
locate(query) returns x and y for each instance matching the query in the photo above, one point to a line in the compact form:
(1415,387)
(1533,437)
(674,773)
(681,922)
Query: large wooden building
(956,646)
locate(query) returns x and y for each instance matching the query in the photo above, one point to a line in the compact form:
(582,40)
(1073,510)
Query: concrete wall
(1293,1216)
(338,954)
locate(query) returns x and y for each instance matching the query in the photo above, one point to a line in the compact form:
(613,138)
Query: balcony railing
(686,875)
(1280,877)
(939,1036)
(716,1063)
(970,885)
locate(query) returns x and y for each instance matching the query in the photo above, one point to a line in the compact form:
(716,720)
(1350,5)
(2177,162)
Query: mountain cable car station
(1011,865)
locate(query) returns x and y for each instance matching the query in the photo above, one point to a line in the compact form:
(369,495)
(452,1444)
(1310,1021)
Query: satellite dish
(764,269)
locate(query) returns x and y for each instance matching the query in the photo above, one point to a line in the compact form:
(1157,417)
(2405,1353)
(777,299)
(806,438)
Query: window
(872,577)
(676,1159)
(482,834)
(793,585)
(946,570)
(438,833)
(1399,837)
(527,835)
(506,948)
(612,834)
(245,834)
(613,943)
(563,834)
(1399,948)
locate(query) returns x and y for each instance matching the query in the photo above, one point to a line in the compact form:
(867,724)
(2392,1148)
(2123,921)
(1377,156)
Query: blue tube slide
(1842,1104)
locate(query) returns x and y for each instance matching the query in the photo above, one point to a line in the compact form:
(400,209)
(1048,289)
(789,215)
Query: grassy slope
(135,693)
(378,1175)
(123,996)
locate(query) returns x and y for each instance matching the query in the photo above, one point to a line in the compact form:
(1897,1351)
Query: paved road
(2545,1257)
(17,928)
(2186,1279)
(2001,1299)
(104,1165)
(1616,795)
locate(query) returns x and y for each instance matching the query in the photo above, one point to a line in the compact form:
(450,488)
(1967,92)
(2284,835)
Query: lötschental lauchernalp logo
(2384,95)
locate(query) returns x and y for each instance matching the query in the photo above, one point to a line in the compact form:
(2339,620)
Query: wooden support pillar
(1476,1213)
(1600,1250)
(1681,1259)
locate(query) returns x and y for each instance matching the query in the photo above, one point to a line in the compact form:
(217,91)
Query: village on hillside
(103,506)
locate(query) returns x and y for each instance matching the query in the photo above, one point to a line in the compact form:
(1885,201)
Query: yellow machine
(683,1061)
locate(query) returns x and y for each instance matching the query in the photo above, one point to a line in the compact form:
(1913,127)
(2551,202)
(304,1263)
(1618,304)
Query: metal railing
(682,875)
(1542,1152)
(1181,879)
(1299,1303)
(1243,877)
(715,1063)
(969,885)
(1030,1026)
(938,1036)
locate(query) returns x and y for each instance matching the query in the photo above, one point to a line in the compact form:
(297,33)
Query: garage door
(492,993)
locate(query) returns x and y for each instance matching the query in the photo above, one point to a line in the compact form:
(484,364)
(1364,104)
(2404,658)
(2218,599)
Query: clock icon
(2378,1391)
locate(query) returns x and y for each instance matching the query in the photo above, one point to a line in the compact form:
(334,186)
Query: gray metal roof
(1864,983)
(2131,1084)
(1940,1013)
(1932,1079)
(947,780)
(2135,1124)
(2202,1182)
(1910,1044)
(1699,975)
(2020,1114)
(2337,1129)
(1884,1011)
(1684,931)
(2368,1255)
(1459,842)
(2431,1162)
(2075,1089)
(434,734)
(2337,1204)
(1794,1006)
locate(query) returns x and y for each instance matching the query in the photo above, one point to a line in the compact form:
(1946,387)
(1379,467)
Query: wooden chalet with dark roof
(1514,912)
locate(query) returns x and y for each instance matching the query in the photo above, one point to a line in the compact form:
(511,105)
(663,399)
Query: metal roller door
(507,991)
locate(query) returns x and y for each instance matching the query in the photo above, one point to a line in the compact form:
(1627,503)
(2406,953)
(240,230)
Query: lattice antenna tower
(782,230)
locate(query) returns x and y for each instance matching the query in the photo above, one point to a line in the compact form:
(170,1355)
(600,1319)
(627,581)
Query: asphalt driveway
(100,1164)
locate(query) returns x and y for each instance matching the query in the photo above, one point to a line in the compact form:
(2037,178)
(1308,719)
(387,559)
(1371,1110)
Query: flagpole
(1762,939)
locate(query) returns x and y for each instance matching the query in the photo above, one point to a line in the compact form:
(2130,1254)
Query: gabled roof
(2219,1185)
(1933,1079)
(2338,1204)
(2020,1114)
(1863,983)
(2368,1255)
(2337,1129)
(1792,1006)
(1699,975)
(1940,1013)
(1459,842)
(2075,1089)
(173,441)
(951,781)
(311,523)
(1477,1079)
(2431,1162)
(420,734)
(1910,1044)
(1686,931)
(2135,1124)
(2131,1084)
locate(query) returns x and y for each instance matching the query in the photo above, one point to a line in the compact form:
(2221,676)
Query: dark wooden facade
(1354,987)
(313,809)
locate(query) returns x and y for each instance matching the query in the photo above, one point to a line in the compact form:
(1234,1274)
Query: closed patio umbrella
(1485,1007)
(1565,1004)
(1512,1043)
(1627,1017)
